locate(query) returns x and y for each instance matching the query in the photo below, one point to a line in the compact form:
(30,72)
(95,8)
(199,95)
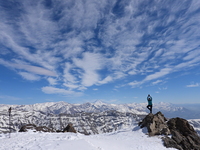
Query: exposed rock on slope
(86,123)
(34,128)
(184,137)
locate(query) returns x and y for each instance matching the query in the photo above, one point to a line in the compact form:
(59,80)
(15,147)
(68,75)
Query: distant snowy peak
(99,103)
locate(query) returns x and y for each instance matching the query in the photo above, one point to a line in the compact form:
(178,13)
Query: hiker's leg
(150,108)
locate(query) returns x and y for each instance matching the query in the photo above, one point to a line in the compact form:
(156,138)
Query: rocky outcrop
(34,128)
(155,124)
(69,128)
(183,136)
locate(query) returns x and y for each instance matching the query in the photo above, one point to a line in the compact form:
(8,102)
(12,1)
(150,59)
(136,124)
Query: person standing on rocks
(149,106)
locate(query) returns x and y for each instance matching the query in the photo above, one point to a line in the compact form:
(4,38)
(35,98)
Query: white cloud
(68,76)
(29,76)
(90,64)
(188,64)
(159,74)
(135,83)
(71,86)
(54,90)
(106,80)
(43,58)
(193,85)
(29,68)
(52,81)
(157,81)
(192,54)
(125,44)
(150,77)
(158,53)
(82,88)
(119,75)
(72,47)
(163,88)
(36,70)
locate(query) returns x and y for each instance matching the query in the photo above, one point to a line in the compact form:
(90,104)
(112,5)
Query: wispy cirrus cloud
(54,90)
(154,76)
(156,82)
(193,85)
(9,98)
(29,68)
(103,42)
(29,76)
(90,64)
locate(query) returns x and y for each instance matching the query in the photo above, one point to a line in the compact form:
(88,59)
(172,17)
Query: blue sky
(117,51)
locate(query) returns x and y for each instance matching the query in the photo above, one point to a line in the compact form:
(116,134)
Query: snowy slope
(120,140)
(196,124)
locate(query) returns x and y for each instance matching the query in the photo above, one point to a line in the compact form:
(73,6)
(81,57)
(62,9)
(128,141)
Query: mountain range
(88,118)
(170,110)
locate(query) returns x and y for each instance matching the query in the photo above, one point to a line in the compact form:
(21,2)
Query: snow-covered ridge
(87,123)
(98,106)
(170,110)
(94,118)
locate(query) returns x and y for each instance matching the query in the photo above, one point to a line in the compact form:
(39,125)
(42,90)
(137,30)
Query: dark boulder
(69,128)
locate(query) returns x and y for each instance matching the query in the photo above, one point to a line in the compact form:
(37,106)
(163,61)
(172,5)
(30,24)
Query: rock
(69,128)
(170,143)
(27,127)
(155,124)
(44,129)
(183,135)
(33,127)
(181,125)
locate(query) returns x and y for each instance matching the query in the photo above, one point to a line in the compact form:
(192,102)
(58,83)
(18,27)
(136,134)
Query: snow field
(126,139)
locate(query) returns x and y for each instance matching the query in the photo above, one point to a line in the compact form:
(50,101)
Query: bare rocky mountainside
(87,118)
(87,123)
